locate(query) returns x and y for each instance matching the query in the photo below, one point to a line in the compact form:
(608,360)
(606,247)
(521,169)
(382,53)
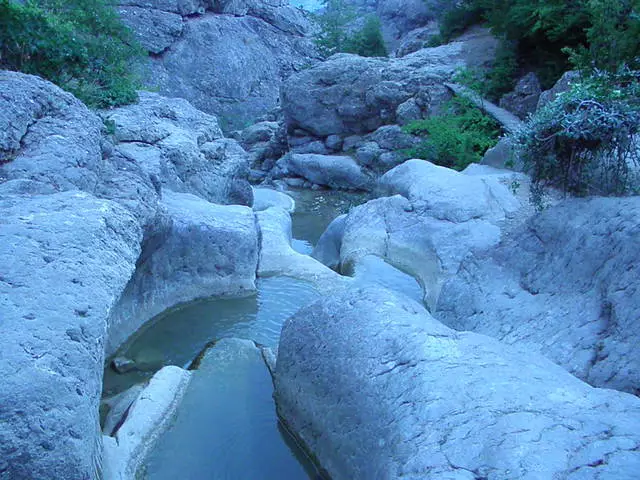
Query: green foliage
(613,37)
(368,41)
(500,79)
(335,36)
(80,45)
(459,136)
(585,141)
(601,34)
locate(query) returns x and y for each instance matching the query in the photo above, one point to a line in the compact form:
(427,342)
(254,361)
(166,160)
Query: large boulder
(65,258)
(431,218)
(523,101)
(227,58)
(47,135)
(348,94)
(374,387)
(203,250)
(566,284)
(335,171)
(181,148)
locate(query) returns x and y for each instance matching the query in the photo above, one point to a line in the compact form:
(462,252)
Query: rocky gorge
(155,284)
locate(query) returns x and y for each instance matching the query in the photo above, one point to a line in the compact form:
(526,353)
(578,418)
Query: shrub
(80,45)
(585,141)
(456,138)
(335,35)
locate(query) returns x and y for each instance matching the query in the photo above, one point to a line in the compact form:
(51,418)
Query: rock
(264,198)
(381,407)
(327,251)
(314,146)
(428,231)
(368,153)
(351,142)
(564,285)
(64,258)
(330,170)
(118,406)
(172,271)
(562,85)
(47,135)
(239,79)
(501,155)
(418,39)
(183,7)
(333,142)
(123,364)
(277,257)
(524,99)
(148,417)
(392,137)
(155,30)
(446,194)
(182,147)
(258,133)
(351,95)
(408,112)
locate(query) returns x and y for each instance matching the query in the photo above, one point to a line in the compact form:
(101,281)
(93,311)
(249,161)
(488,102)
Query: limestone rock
(524,98)
(173,271)
(374,387)
(330,170)
(351,95)
(564,285)
(65,258)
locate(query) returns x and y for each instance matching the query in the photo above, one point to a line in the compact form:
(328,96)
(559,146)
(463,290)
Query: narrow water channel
(226,426)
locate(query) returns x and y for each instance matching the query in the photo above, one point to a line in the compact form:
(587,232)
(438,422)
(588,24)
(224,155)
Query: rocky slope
(227,58)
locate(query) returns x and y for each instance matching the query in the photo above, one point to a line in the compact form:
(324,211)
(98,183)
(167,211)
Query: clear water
(315,209)
(177,336)
(226,426)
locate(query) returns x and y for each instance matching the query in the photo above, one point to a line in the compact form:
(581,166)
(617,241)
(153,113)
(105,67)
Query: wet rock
(123,364)
(381,407)
(327,251)
(149,415)
(565,284)
(119,406)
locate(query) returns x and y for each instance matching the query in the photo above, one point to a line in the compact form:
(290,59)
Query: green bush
(80,45)
(335,36)
(584,142)
(456,138)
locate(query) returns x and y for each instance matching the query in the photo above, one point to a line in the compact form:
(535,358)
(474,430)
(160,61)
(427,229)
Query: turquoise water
(226,426)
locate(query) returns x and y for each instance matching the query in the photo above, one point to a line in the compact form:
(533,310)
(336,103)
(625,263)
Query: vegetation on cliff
(80,45)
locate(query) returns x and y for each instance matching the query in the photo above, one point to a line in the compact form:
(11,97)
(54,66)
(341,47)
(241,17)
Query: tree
(81,45)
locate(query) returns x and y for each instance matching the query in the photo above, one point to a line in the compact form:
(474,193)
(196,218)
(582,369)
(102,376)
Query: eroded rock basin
(226,425)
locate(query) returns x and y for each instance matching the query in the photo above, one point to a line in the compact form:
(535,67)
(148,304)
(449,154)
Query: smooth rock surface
(375,387)
(64,259)
(566,285)
(175,272)
(148,417)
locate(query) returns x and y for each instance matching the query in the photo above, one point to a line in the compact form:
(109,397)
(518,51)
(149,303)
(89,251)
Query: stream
(226,426)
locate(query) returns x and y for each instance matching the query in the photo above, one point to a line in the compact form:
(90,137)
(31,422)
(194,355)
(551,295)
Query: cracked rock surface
(565,284)
(376,388)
